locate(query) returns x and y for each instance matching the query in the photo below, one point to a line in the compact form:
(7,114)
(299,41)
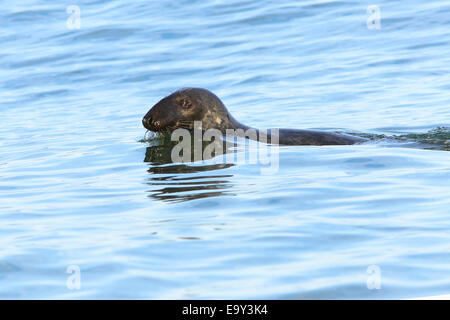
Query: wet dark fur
(183,107)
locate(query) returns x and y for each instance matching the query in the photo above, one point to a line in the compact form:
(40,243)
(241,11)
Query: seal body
(181,108)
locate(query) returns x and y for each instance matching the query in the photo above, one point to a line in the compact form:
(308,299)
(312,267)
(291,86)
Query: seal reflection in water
(180,182)
(175,182)
(183,107)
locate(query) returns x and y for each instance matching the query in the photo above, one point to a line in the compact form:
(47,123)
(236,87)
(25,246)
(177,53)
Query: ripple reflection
(178,182)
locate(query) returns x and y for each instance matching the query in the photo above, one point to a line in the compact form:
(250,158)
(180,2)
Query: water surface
(79,188)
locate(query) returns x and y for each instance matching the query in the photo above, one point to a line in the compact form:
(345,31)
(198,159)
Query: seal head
(183,107)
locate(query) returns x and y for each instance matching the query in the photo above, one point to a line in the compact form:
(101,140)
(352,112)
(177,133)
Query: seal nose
(146,122)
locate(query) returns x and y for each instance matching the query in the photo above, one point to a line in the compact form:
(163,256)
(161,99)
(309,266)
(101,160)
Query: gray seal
(181,108)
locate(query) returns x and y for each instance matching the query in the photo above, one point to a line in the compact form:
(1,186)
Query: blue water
(79,187)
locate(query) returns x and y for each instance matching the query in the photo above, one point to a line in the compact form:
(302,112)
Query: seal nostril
(145,122)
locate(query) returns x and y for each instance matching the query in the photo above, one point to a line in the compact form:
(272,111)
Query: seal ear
(184,102)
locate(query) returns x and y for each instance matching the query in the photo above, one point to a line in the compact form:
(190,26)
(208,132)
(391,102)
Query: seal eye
(186,104)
